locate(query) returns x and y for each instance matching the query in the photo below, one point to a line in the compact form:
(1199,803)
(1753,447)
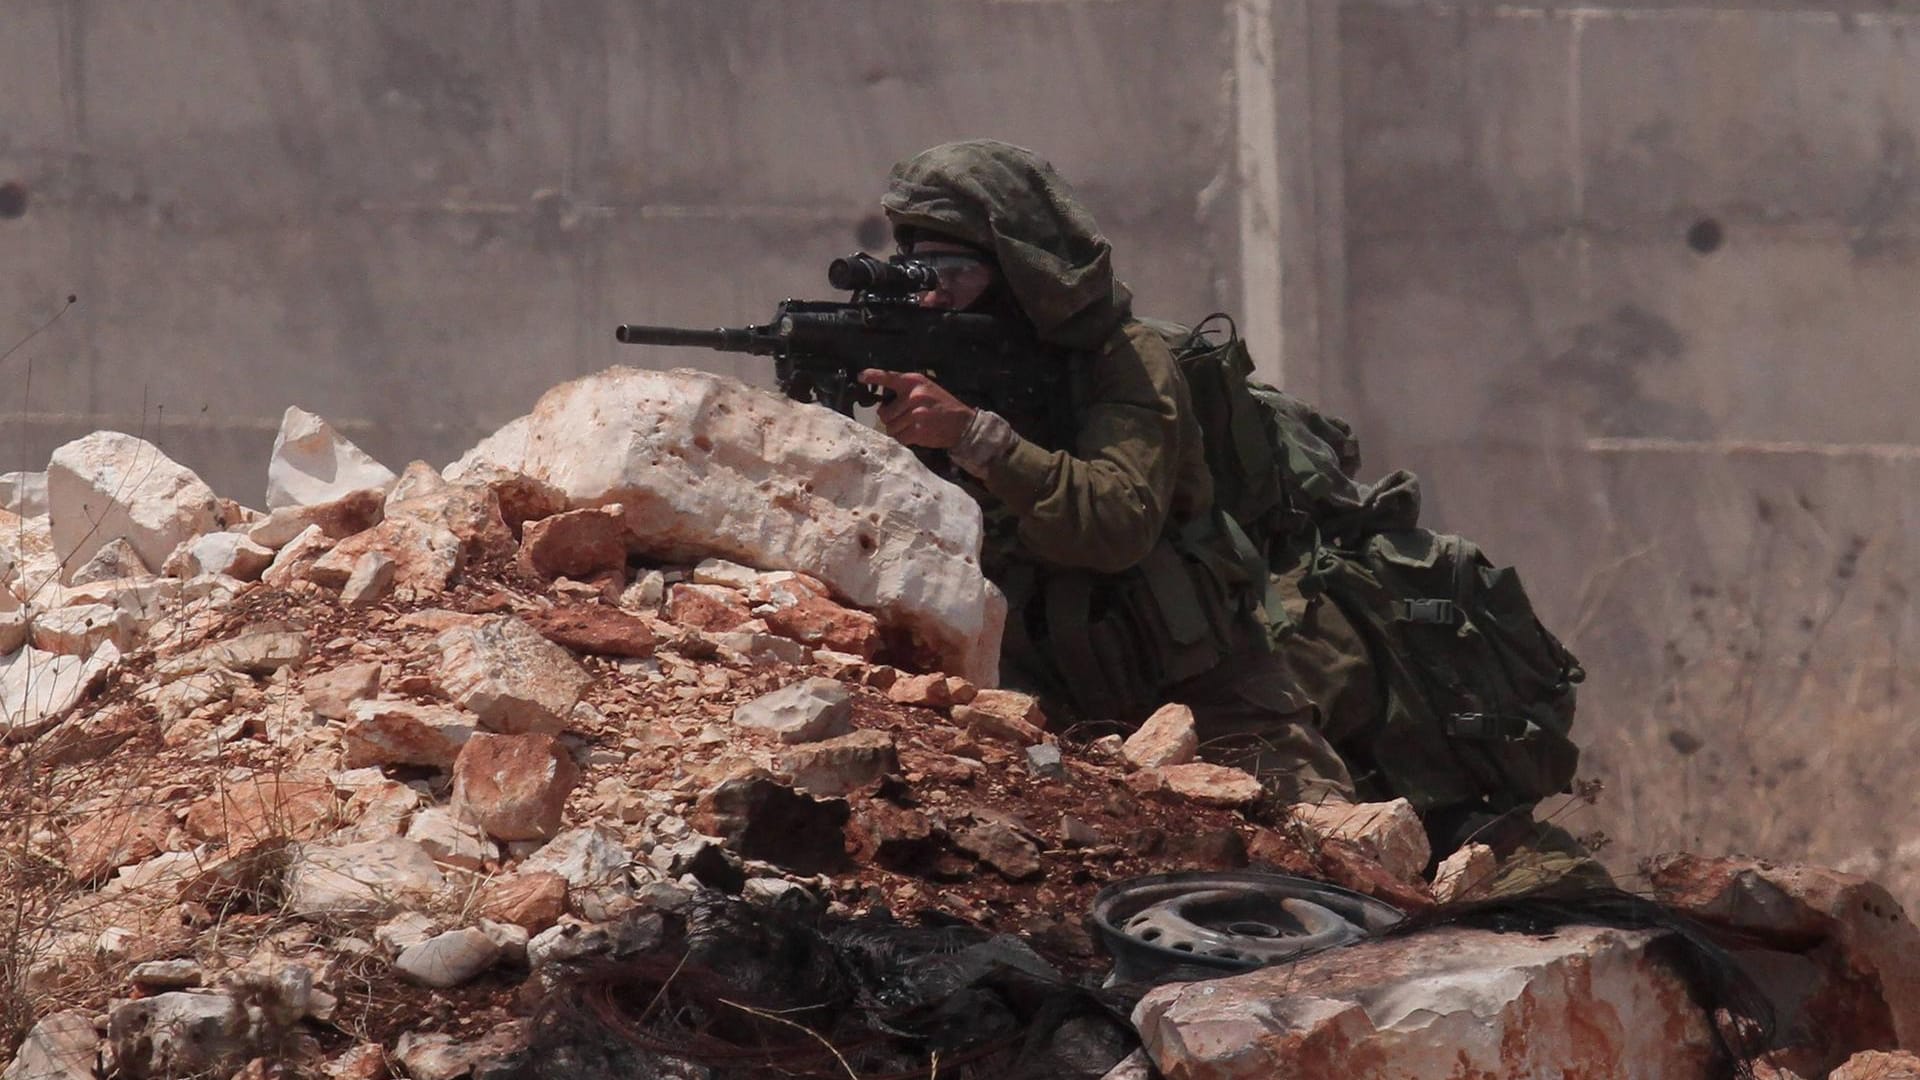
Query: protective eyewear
(949,263)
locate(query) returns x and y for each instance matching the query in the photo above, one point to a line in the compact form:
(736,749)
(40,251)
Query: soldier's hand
(921,412)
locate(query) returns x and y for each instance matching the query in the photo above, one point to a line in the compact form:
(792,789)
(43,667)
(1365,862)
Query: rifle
(819,347)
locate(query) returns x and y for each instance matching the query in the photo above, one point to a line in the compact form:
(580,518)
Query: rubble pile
(339,786)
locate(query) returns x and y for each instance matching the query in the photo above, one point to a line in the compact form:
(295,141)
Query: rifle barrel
(724,339)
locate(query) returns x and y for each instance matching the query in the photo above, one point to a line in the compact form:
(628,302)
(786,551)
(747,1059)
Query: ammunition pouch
(1120,642)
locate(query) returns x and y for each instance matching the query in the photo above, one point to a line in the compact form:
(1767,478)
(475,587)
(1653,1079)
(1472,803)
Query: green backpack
(1478,694)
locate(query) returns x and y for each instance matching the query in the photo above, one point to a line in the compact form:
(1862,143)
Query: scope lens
(899,276)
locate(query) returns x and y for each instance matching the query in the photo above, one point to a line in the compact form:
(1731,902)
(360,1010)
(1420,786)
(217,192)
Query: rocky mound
(340,786)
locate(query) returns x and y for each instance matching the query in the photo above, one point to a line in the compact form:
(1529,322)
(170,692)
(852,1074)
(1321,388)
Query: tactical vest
(1114,646)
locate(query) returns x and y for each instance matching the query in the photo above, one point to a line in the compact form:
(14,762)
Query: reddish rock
(763,819)
(800,607)
(90,734)
(840,765)
(1344,863)
(534,900)
(1390,832)
(893,836)
(996,726)
(109,839)
(366,1061)
(595,629)
(1010,705)
(332,693)
(470,512)
(1267,849)
(1860,939)
(1878,1065)
(248,810)
(514,786)
(825,624)
(1168,737)
(1001,846)
(1206,849)
(934,690)
(1212,785)
(577,544)
(405,733)
(1444,1004)
(378,809)
(713,608)
(296,557)
(425,557)
(522,498)
(354,512)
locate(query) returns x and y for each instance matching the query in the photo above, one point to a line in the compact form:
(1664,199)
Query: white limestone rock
(448,959)
(24,493)
(1168,737)
(146,599)
(511,939)
(510,676)
(371,580)
(62,1046)
(180,1034)
(109,486)
(451,841)
(228,553)
(404,931)
(708,466)
(723,572)
(29,568)
(1389,831)
(595,865)
(806,711)
(297,556)
(80,629)
(116,560)
(38,689)
(312,463)
(1449,1002)
(1465,874)
(371,876)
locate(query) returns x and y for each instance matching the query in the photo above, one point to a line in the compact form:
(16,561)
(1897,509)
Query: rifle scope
(898,276)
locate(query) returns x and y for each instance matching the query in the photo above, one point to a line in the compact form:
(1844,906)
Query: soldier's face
(964,275)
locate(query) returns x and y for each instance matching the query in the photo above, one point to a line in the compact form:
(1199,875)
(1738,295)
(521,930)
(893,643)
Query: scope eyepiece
(898,276)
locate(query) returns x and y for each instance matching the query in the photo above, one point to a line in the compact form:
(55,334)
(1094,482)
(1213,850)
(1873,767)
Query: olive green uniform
(1092,521)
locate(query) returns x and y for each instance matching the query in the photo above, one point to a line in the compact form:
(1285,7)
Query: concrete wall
(414,218)
(1628,284)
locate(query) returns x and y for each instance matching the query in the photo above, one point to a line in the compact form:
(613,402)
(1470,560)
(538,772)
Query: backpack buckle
(1432,610)
(1487,727)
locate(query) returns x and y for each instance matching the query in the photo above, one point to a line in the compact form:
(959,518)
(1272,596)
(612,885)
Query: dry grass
(1767,710)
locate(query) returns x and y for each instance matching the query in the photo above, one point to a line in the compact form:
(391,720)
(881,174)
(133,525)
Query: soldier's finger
(894,408)
(891,380)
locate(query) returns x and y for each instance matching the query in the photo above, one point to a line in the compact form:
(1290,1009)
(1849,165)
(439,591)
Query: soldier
(1126,587)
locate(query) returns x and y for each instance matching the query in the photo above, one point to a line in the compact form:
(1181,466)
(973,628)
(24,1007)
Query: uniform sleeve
(1103,506)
